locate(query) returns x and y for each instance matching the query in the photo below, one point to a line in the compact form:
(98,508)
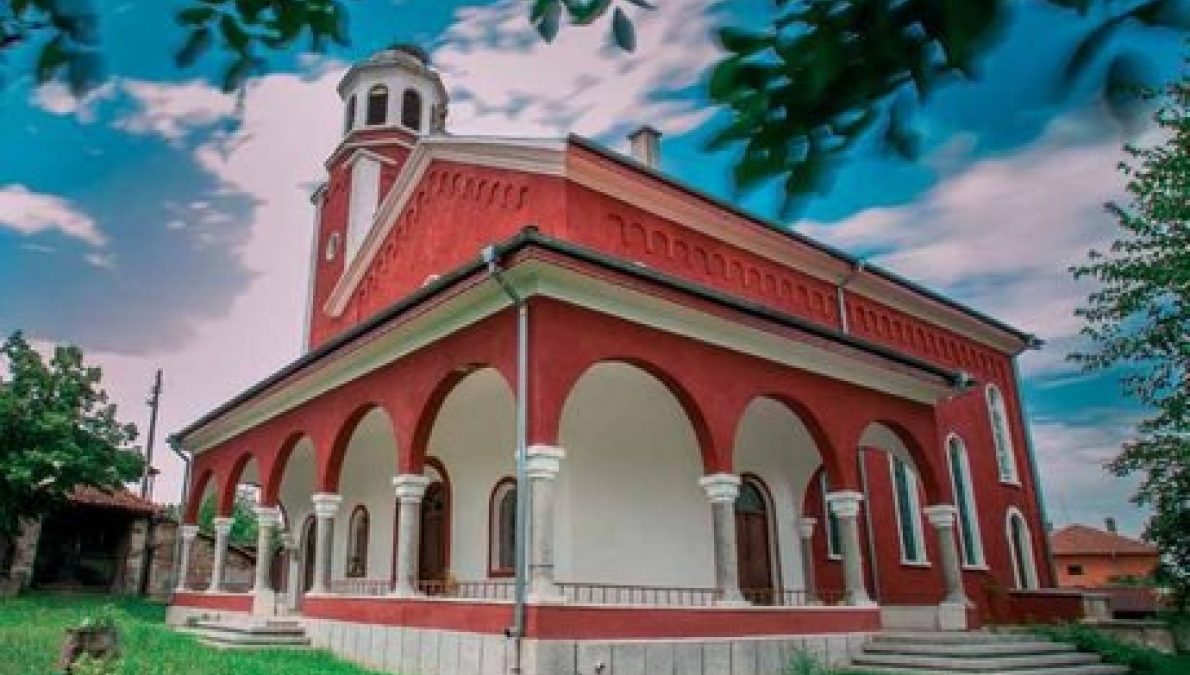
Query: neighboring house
(96,543)
(1110,563)
(731,430)
(1087,557)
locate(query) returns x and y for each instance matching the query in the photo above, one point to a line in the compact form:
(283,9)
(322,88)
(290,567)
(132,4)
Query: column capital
(326,504)
(288,541)
(267,516)
(845,503)
(410,487)
(941,515)
(189,531)
(543,461)
(721,487)
(222,524)
(805,527)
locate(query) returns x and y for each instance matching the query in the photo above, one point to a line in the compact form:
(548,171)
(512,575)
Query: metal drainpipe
(840,299)
(173,445)
(522,488)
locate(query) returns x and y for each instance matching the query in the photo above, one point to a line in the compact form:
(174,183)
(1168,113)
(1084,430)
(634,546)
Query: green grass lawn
(31,632)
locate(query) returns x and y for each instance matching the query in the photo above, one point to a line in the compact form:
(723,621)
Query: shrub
(1140,660)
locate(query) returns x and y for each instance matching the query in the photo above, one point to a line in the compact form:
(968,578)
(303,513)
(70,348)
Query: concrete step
(250,635)
(950,638)
(955,650)
(1098,669)
(980,664)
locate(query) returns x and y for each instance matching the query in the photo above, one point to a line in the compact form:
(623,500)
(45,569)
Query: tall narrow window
(1020,544)
(960,477)
(411,110)
(357,543)
(349,115)
(502,535)
(377,106)
(908,511)
(834,544)
(998,415)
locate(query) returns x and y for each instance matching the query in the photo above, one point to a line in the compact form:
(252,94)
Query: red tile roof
(121,500)
(1083,540)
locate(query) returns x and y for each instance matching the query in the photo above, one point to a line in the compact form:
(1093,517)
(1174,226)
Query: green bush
(1140,660)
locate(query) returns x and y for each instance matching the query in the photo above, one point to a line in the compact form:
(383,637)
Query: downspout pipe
(840,294)
(490,257)
(175,446)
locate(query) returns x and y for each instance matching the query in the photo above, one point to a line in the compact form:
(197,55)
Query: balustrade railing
(489,589)
(353,586)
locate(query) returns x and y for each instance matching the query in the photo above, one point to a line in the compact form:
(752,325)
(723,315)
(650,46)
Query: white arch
(1020,547)
(365,479)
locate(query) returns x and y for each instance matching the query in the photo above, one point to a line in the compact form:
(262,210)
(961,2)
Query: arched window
(754,541)
(502,529)
(1020,545)
(357,543)
(349,115)
(970,541)
(377,106)
(411,110)
(905,494)
(1005,459)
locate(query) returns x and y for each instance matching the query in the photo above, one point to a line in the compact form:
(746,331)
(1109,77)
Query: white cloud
(31,213)
(1001,235)
(55,97)
(1071,458)
(505,80)
(174,110)
(101,260)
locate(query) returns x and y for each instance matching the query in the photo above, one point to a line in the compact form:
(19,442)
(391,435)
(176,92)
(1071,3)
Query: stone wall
(239,573)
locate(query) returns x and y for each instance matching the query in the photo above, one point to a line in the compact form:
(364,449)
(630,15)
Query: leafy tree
(800,93)
(57,431)
(243,519)
(1139,319)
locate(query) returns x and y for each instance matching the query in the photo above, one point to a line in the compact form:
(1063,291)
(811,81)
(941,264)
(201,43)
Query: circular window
(332,246)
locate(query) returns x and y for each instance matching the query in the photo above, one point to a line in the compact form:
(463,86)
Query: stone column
(263,597)
(942,517)
(543,464)
(188,533)
(805,530)
(410,489)
(722,490)
(845,506)
(222,530)
(294,570)
(326,505)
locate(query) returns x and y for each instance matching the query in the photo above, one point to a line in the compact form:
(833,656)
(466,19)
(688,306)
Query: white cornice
(541,278)
(348,145)
(539,157)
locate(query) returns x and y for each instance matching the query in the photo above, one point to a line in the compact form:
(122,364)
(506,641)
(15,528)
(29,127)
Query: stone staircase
(264,634)
(976,653)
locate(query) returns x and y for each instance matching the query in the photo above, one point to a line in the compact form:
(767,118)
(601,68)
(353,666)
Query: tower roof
(408,57)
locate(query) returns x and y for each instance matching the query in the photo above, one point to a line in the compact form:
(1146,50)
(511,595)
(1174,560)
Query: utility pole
(146,483)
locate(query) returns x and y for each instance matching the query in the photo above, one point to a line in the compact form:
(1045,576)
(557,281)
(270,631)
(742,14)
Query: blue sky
(157,225)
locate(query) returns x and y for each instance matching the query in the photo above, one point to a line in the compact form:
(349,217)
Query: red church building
(557,406)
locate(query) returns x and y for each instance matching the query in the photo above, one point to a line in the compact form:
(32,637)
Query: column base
(264,603)
(952,616)
(732,602)
(862,601)
(405,592)
(554,598)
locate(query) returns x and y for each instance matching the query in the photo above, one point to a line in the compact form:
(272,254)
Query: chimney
(1110,524)
(646,146)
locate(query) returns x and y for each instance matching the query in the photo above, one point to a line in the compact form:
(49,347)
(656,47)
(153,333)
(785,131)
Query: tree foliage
(243,519)
(1139,319)
(57,431)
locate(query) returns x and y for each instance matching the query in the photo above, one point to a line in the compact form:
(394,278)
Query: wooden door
(752,544)
(435,515)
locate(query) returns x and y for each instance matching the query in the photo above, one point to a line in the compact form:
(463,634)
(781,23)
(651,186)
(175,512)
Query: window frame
(349,115)
(834,536)
(358,514)
(1031,580)
(411,95)
(966,504)
(1002,444)
(377,92)
(911,510)
(500,491)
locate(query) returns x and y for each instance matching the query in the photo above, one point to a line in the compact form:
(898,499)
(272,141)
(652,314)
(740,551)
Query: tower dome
(394,88)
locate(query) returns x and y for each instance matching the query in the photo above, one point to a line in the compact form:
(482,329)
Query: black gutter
(1031,341)
(531,237)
